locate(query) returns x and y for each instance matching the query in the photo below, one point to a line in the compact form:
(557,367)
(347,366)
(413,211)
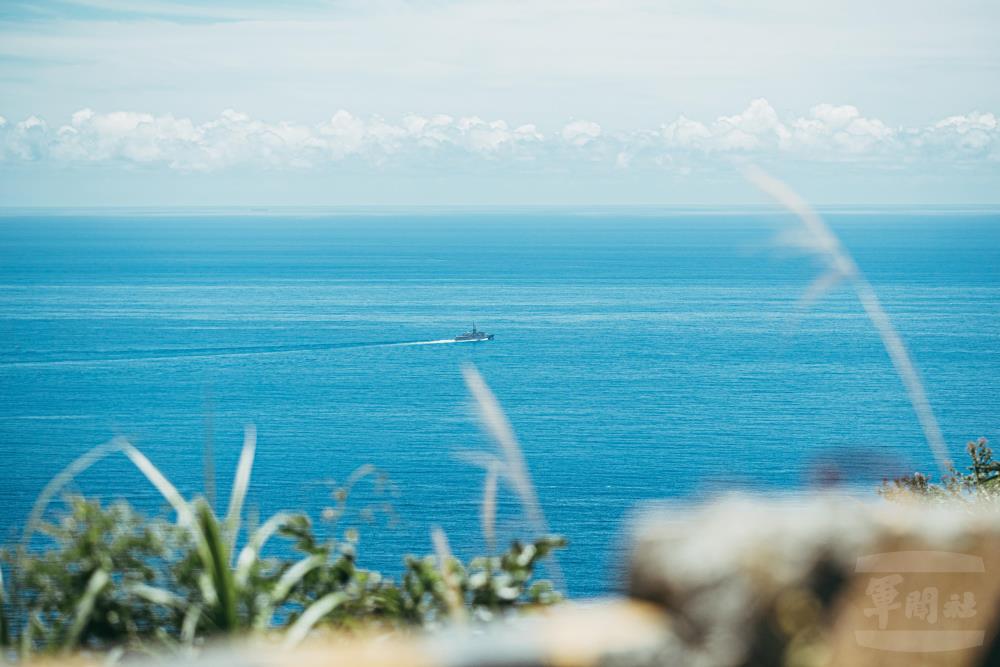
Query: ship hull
(471,339)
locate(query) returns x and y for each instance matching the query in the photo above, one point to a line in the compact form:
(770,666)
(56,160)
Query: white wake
(443,341)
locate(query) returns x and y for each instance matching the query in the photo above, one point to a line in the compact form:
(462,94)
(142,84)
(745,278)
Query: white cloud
(841,130)
(27,139)
(235,138)
(686,134)
(757,127)
(827,133)
(580,132)
(974,135)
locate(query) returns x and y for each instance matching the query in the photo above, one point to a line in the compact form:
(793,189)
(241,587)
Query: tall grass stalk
(446,564)
(488,513)
(843,266)
(492,416)
(493,470)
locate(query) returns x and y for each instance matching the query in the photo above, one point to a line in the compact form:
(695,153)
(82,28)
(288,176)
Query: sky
(483,102)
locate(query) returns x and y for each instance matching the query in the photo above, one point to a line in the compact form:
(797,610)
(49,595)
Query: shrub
(111,577)
(981,484)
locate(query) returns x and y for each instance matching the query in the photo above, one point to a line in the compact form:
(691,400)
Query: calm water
(638,355)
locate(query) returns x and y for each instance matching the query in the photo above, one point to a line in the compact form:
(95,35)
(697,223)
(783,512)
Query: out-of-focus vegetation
(980,484)
(103,576)
(111,577)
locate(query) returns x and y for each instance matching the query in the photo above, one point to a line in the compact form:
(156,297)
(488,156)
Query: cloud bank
(827,133)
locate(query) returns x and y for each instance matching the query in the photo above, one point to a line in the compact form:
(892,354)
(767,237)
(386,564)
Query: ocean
(640,354)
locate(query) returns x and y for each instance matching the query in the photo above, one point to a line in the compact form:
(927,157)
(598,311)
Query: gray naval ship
(473,335)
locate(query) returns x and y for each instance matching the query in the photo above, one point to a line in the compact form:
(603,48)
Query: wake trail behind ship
(212,353)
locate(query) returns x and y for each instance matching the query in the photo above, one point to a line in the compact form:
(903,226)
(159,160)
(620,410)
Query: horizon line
(486,207)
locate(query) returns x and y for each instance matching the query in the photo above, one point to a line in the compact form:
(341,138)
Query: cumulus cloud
(841,130)
(826,133)
(974,135)
(235,138)
(756,127)
(580,132)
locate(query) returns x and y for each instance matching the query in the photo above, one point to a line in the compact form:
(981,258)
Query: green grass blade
(85,606)
(65,476)
(156,595)
(240,483)
(226,617)
(292,576)
(189,625)
(310,617)
(250,553)
(27,639)
(185,516)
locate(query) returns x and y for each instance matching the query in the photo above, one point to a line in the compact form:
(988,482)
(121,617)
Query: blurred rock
(817,581)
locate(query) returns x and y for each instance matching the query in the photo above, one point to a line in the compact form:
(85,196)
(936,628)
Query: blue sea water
(639,354)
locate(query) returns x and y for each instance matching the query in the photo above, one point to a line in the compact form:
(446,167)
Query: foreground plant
(489,586)
(113,578)
(87,587)
(981,485)
(110,577)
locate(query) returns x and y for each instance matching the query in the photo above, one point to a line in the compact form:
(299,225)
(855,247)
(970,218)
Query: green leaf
(226,617)
(185,516)
(294,575)
(288,580)
(316,611)
(159,596)
(85,606)
(240,484)
(251,552)
(190,624)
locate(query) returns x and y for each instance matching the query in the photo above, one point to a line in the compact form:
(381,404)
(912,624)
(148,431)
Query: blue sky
(114,102)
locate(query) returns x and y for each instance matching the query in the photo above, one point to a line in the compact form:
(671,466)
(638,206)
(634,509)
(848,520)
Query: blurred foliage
(112,578)
(489,586)
(85,589)
(980,484)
